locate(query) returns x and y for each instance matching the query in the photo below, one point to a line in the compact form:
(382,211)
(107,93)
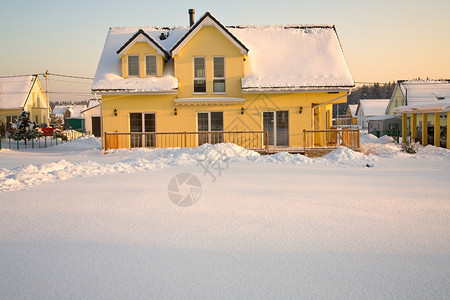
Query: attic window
(133,65)
(150,65)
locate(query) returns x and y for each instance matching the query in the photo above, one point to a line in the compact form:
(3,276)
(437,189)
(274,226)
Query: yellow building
(210,78)
(22,93)
(424,106)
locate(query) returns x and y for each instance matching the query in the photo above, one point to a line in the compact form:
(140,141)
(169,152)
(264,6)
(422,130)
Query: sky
(382,40)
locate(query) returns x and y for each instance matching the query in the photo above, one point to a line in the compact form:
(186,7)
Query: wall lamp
(175,112)
(115,112)
(242,111)
(300,109)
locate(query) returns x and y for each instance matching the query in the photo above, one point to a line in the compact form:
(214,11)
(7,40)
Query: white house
(370,108)
(92,117)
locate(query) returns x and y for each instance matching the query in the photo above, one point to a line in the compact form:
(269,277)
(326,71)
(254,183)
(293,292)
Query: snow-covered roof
(14,90)
(280,58)
(431,107)
(92,104)
(353,108)
(373,107)
(76,111)
(380,118)
(418,92)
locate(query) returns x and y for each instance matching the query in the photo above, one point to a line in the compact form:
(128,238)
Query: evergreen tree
(24,129)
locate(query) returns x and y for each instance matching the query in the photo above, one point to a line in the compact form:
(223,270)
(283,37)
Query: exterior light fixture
(115,112)
(175,112)
(242,111)
(300,109)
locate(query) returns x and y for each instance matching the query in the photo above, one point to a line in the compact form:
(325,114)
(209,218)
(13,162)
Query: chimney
(191,16)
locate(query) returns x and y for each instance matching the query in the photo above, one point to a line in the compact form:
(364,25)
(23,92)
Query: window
(150,65)
(199,75)
(133,65)
(144,123)
(219,75)
(210,121)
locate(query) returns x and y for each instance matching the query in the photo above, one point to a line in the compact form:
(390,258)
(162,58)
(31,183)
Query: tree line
(366,91)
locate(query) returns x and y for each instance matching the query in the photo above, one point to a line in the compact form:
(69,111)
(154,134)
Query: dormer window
(133,65)
(150,65)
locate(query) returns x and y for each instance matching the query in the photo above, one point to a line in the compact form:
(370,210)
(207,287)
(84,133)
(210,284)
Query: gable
(139,38)
(208,21)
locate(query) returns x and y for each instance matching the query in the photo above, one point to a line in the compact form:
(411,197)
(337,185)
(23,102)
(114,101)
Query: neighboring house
(370,108)
(72,116)
(349,118)
(211,77)
(92,117)
(384,125)
(22,93)
(423,106)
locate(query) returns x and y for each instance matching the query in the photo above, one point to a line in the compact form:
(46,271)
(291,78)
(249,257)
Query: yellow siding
(186,118)
(142,49)
(396,100)
(209,42)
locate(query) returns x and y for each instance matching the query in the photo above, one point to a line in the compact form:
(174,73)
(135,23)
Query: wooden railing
(331,138)
(254,140)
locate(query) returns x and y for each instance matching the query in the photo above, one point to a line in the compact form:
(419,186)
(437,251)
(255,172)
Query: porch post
(424,129)
(404,128)
(413,127)
(448,142)
(437,129)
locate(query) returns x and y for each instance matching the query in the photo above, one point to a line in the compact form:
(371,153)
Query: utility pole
(48,98)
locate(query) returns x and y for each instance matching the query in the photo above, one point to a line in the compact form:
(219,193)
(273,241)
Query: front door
(143,123)
(96,127)
(277,125)
(207,122)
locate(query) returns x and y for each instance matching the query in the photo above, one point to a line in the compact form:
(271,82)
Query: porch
(315,142)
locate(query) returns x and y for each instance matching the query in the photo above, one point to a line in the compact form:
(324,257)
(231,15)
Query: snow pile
(148,84)
(344,155)
(370,138)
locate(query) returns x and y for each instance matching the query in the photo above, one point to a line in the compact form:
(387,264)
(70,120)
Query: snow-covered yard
(78,223)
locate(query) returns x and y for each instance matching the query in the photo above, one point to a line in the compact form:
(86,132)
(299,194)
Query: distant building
(93,117)
(370,108)
(22,93)
(72,116)
(424,106)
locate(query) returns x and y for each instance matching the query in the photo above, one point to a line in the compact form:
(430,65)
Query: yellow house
(208,77)
(22,93)
(424,106)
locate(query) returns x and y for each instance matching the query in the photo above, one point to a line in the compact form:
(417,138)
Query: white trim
(224,78)
(198,78)
(209,101)
(208,22)
(128,66)
(141,38)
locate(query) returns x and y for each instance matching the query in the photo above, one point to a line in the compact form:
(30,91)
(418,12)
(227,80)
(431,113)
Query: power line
(71,76)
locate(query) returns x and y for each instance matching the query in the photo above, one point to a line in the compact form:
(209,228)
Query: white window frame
(128,66)
(219,78)
(156,65)
(144,141)
(198,78)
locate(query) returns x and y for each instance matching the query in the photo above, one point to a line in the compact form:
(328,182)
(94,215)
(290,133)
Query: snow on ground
(76,222)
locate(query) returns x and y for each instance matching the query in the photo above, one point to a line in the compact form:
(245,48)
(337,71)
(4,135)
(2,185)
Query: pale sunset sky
(383,40)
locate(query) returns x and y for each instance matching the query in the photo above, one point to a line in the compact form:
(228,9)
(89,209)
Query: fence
(42,142)
(331,138)
(254,140)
